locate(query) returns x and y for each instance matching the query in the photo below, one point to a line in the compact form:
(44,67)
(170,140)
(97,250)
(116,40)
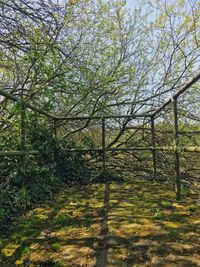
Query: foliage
(62,219)
(56,246)
(90,58)
(38,184)
(107,176)
(72,168)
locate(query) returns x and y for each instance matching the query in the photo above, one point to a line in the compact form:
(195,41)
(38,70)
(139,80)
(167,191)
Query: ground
(136,223)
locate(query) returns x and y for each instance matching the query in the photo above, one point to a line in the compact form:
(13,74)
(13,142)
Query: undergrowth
(36,180)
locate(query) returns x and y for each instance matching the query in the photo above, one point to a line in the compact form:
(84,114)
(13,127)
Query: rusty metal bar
(164,148)
(176,144)
(170,148)
(178,92)
(153,141)
(82,150)
(18,153)
(34,152)
(55,136)
(138,128)
(108,149)
(103,144)
(106,117)
(191,149)
(23,130)
(42,112)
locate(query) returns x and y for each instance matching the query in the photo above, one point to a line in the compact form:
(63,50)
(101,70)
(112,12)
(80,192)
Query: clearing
(134,223)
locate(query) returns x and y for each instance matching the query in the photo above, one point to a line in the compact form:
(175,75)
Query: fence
(104,149)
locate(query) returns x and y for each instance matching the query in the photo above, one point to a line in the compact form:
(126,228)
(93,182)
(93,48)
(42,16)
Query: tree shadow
(131,224)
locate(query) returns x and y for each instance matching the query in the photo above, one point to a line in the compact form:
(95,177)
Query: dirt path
(129,224)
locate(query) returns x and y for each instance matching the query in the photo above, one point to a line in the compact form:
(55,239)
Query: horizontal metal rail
(42,112)
(164,148)
(170,148)
(191,149)
(18,153)
(178,93)
(105,117)
(159,131)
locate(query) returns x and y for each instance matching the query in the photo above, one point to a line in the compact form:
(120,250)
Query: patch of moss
(56,246)
(166,205)
(25,251)
(158,216)
(173,235)
(177,218)
(62,219)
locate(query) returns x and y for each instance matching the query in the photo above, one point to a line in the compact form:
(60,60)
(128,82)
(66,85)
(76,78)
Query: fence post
(23,131)
(176,143)
(103,144)
(55,139)
(153,141)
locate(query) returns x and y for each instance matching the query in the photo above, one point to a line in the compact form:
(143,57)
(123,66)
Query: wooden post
(103,144)
(153,141)
(176,144)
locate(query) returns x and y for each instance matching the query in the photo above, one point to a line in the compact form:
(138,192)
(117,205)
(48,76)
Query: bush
(107,176)
(36,178)
(72,169)
(35,185)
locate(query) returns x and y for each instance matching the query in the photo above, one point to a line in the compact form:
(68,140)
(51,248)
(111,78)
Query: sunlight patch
(10,249)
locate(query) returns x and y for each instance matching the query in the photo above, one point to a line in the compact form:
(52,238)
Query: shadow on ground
(131,224)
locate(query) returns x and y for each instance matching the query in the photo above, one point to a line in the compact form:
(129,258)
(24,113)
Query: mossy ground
(136,223)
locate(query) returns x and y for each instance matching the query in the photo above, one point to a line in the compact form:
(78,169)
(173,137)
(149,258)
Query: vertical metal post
(55,139)
(103,144)
(23,130)
(176,144)
(153,141)
(23,139)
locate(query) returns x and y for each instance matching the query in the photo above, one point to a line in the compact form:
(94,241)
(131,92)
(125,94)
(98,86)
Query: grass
(56,246)
(62,219)
(129,224)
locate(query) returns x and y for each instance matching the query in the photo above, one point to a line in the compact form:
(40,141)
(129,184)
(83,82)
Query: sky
(134,3)
(131,3)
